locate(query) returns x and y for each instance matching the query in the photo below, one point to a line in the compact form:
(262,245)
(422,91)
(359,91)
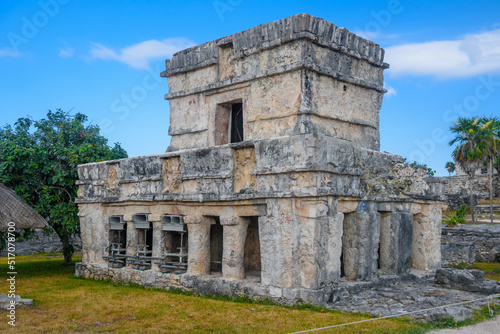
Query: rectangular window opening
(174,245)
(117,242)
(216,247)
(144,245)
(237,123)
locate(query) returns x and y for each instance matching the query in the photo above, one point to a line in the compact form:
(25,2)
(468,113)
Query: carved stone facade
(273,172)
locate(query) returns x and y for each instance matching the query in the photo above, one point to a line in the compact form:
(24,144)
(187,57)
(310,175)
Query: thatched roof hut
(14,209)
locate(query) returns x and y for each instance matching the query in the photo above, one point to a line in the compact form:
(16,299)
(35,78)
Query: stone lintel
(193,220)
(232,220)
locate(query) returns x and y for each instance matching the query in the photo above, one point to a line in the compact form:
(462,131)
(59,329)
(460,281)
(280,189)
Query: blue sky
(103,58)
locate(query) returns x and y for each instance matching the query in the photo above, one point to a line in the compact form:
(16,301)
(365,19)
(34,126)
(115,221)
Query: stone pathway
(409,296)
(487,327)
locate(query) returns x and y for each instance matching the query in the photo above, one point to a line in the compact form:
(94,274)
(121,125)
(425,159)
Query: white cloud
(139,55)
(475,54)
(8,52)
(390,91)
(66,53)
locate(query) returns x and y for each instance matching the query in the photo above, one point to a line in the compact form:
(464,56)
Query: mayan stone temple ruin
(273,184)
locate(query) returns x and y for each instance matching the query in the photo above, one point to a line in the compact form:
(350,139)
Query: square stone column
(360,243)
(131,236)
(330,273)
(233,253)
(396,235)
(94,233)
(198,244)
(426,248)
(157,227)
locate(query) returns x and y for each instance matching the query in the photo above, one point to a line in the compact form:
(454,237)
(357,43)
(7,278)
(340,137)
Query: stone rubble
(466,280)
(410,295)
(5,301)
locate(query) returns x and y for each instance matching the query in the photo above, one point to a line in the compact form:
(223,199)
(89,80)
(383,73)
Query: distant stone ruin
(273,184)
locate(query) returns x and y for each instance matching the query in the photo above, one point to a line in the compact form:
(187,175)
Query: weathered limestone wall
(314,165)
(284,73)
(486,239)
(209,285)
(480,171)
(458,193)
(458,252)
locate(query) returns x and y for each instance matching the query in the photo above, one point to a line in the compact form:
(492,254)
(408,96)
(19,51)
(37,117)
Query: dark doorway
(216,246)
(252,249)
(149,240)
(236,122)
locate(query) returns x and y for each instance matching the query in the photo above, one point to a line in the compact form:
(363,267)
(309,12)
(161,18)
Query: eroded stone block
(360,243)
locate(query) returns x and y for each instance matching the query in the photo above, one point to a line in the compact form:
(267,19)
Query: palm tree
(469,157)
(450,167)
(491,128)
(468,154)
(479,141)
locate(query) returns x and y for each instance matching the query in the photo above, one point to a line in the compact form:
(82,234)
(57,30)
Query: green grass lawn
(65,304)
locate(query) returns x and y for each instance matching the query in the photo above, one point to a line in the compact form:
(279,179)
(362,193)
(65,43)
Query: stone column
(94,233)
(233,253)
(131,235)
(331,271)
(360,243)
(157,227)
(396,235)
(426,248)
(198,244)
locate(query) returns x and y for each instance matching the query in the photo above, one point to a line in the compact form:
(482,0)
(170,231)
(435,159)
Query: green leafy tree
(450,167)
(39,159)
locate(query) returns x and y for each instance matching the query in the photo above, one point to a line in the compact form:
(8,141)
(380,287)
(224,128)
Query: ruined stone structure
(273,184)
(483,171)
(457,190)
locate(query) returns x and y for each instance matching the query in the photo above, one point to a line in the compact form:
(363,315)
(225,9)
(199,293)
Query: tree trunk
(68,249)
(471,199)
(490,179)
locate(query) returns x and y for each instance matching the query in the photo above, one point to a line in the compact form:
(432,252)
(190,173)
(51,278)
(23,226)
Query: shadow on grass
(41,268)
